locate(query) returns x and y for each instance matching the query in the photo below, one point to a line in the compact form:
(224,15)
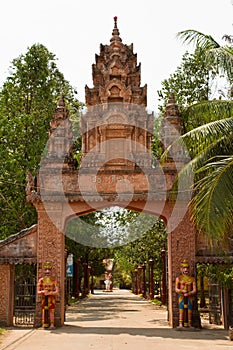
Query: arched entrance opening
(126,238)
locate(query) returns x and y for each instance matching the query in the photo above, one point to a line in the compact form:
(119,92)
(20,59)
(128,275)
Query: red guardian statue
(48,289)
(185,288)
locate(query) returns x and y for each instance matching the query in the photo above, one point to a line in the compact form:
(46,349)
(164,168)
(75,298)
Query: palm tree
(210,148)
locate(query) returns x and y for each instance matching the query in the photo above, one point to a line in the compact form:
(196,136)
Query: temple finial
(115,32)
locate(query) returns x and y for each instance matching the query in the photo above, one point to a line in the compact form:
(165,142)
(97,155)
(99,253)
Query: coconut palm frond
(207,134)
(189,172)
(204,154)
(212,205)
(228,38)
(197,140)
(206,147)
(222,57)
(197,38)
(206,111)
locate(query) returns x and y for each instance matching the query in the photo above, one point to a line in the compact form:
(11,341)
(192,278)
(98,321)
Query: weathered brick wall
(6,294)
(181,245)
(20,248)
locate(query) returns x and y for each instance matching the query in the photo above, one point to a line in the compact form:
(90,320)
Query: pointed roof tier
(172,129)
(116,75)
(60,114)
(172,125)
(60,133)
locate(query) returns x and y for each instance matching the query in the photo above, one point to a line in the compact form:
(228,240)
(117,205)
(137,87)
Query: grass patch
(2,330)
(156,301)
(72,301)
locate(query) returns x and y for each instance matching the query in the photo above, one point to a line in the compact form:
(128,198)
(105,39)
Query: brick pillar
(7,294)
(51,247)
(181,245)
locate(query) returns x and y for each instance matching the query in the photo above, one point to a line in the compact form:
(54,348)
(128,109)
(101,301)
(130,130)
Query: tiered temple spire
(60,133)
(116,129)
(116,75)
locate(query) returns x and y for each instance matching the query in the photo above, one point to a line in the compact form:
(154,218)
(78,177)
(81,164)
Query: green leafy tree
(27,102)
(139,251)
(196,80)
(216,55)
(190,82)
(86,241)
(86,230)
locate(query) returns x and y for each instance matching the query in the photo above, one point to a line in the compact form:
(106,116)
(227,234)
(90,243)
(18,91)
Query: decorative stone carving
(116,75)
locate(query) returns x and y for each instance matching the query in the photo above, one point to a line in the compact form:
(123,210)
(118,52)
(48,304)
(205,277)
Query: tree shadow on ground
(172,333)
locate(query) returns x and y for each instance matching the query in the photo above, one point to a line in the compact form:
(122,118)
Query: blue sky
(73,31)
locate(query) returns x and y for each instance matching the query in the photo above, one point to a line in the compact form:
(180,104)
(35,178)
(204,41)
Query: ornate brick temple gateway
(117,169)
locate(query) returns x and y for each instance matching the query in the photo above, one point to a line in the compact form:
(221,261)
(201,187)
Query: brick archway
(51,244)
(117,168)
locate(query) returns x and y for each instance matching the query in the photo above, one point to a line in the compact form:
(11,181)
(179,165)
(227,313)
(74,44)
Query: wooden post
(164,278)
(92,280)
(76,278)
(84,292)
(144,280)
(139,279)
(152,291)
(136,281)
(88,279)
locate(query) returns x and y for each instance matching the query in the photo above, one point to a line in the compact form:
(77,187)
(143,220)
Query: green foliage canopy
(27,102)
